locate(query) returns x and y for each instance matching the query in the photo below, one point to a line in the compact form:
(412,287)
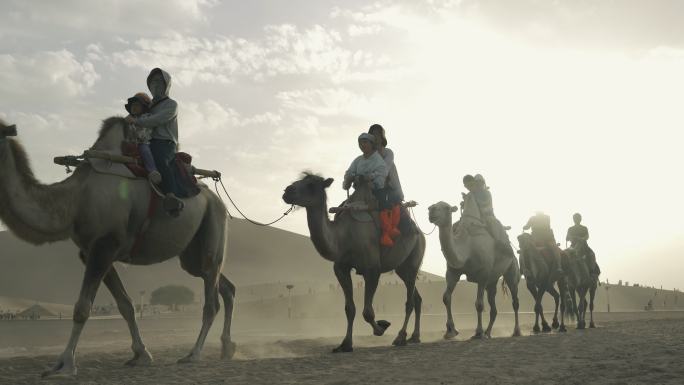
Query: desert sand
(625,348)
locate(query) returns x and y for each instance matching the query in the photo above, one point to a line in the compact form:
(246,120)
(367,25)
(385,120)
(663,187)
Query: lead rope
(416,222)
(218,180)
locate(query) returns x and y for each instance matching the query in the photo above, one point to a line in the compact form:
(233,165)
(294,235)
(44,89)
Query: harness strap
(151,208)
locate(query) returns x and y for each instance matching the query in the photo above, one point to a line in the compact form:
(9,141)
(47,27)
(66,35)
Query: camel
(581,280)
(541,280)
(469,249)
(103,214)
(351,244)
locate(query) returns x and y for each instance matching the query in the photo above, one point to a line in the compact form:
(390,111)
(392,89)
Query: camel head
(440,213)
(308,191)
(6,130)
(525,241)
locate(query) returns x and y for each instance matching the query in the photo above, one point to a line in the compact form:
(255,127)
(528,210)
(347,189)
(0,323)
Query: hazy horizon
(564,107)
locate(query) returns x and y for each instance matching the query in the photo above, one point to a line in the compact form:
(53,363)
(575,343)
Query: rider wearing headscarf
(483,197)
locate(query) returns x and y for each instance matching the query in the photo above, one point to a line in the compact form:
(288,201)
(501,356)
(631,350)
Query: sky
(563,106)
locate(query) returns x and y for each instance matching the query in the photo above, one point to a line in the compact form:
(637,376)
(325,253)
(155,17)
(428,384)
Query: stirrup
(173,205)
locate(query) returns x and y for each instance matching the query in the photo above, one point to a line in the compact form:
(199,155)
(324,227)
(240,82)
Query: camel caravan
(132,198)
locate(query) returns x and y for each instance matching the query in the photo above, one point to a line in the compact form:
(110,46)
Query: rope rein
(413,215)
(218,180)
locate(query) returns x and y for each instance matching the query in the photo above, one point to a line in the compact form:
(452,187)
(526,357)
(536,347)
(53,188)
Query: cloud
(119,16)
(282,50)
(45,75)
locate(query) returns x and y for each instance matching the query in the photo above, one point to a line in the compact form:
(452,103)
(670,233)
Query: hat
(141,98)
(382,132)
(368,137)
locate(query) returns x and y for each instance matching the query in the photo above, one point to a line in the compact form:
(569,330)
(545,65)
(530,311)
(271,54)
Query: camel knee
(479,306)
(538,308)
(211,308)
(350,310)
(417,301)
(82,311)
(446,299)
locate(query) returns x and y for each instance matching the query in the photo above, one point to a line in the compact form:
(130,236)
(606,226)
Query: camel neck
(35,212)
(446,241)
(322,231)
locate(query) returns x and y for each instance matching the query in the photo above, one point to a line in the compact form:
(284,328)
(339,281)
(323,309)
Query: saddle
(183,164)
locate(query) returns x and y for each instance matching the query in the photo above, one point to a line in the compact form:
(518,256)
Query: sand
(626,348)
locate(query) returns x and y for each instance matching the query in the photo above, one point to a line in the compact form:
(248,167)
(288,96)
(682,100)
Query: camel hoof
(190,358)
(383,325)
(228,350)
(516,332)
(478,336)
(61,369)
(415,339)
(562,329)
(555,324)
(450,334)
(536,329)
(343,348)
(592,325)
(546,328)
(140,359)
(400,340)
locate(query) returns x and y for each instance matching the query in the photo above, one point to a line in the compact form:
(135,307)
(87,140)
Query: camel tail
(504,288)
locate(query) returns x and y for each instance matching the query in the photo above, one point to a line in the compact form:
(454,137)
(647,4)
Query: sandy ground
(626,348)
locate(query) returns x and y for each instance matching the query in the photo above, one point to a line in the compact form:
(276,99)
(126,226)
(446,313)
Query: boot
(154,177)
(385,226)
(395,216)
(173,205)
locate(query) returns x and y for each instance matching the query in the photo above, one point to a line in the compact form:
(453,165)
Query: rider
(395,195)
(137,105)
(578,235)
(371,166)
(483,197)
(542,235)
(162,119)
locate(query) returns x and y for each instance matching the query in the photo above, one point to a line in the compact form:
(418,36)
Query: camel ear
(328,182)
(454,209)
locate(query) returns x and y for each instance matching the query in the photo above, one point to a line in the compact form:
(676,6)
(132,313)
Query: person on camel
(371,166)
(542,235)
(483,197)
(137,105)
(395,195)
(578,235)
(163,121)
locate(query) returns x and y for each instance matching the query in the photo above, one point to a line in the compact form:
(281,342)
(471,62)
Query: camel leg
(554,293)
(343,274)
(409,279)
(371,279)
(112,281)
(479,307)
(563,304)
(512,279)
(539,310)
(533,291)
(592,294)
(417,304)
(100,259)
(140,354)
(491,298)
(227,291)
(581,308)
(211,308)
(452,278)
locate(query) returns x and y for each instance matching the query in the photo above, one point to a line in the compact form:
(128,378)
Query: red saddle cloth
(183,164)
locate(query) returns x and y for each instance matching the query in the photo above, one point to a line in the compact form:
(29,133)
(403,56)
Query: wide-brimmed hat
(382,132)
(141,98)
